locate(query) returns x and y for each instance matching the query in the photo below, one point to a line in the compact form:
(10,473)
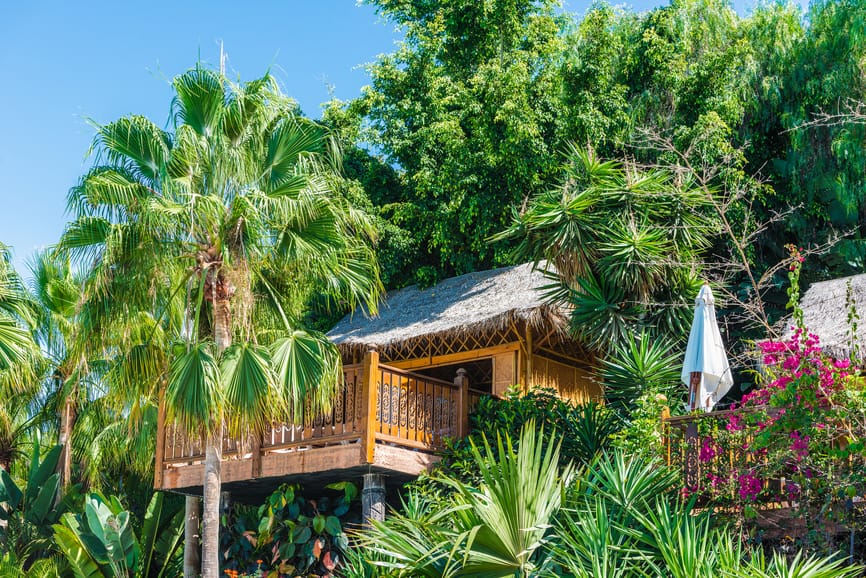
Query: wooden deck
(384,420)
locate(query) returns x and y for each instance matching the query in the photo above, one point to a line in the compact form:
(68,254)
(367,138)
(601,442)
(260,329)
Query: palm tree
(231,221)
(61,334)
(16,315)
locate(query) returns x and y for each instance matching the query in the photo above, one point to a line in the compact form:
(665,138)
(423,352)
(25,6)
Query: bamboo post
(159,466)
(369,393)
(462,382)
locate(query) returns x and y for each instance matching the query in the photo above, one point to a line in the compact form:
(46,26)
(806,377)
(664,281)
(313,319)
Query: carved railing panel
(417,410)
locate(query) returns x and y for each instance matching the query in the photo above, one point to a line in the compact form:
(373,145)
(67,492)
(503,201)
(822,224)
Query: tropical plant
(291,534)
(16,312)
(494,529)
(62,337)
(230,223)
(639,365)
(100,542)
(29,511)
(583,431)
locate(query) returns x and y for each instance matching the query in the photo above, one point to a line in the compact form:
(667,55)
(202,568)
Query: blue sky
(64,62)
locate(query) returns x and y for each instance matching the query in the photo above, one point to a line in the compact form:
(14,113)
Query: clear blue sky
(64,62)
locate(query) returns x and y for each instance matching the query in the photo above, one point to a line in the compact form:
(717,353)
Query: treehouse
(411,377)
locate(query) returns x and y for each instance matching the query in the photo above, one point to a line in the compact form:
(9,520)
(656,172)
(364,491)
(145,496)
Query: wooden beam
(159,466)
(452,358)
(279,466)
(528,385)
(369,392)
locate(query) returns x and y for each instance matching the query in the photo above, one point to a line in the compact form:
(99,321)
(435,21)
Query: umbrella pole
(694,386)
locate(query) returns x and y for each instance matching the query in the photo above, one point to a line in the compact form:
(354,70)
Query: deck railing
(704,463)
(376,403)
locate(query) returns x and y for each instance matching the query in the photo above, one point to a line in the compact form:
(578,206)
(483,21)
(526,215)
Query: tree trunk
(210,531)
(191,559)
(67,421)
(210,522)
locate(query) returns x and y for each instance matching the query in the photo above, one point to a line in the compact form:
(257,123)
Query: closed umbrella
(706,369)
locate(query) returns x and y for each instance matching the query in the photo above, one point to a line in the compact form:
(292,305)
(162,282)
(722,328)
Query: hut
(826,310)
(494,324)
(411,376)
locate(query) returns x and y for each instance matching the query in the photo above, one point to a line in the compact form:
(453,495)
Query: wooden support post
(370,391)
(159,466)
(462,382)
(373,499)
(528,384)
(256,450)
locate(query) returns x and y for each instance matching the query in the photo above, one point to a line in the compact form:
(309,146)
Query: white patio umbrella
(706,370)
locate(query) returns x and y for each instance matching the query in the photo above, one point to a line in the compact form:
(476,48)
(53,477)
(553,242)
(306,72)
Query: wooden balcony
(384,420)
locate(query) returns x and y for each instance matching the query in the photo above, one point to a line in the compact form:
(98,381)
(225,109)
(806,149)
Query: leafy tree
(231,221)
(467,110)
(62,336)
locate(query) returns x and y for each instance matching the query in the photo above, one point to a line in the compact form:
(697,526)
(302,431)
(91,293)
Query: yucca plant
(496,529)
(618,239)
(642,363)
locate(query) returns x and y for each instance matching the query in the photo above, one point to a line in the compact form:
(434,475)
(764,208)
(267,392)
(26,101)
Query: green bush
(289,534)
(583,432)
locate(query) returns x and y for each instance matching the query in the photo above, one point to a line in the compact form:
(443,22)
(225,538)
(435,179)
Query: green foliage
(100,542)
(29,511)
(582,432)
(490,530)
(289,533)
(640,365)
(618,241)
(466,109)
(621,517)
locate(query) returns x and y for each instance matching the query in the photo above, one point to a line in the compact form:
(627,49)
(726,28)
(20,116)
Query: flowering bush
(797,438)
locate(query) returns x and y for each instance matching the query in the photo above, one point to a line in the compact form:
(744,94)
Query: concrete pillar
(373,498)
(225,502)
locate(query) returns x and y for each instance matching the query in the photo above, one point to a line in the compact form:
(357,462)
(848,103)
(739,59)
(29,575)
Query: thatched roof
(825,313)
(475,302)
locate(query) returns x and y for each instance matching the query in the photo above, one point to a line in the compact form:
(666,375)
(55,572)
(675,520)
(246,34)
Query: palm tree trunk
(210,523)
(67,421)
(213,457)
(191,558)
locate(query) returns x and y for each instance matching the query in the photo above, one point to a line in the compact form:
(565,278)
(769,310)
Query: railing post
(159,466)
(462,382)
(666,433)
(369,392)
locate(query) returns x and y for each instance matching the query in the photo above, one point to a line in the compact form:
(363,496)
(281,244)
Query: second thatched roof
(476,302)
(826,315)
